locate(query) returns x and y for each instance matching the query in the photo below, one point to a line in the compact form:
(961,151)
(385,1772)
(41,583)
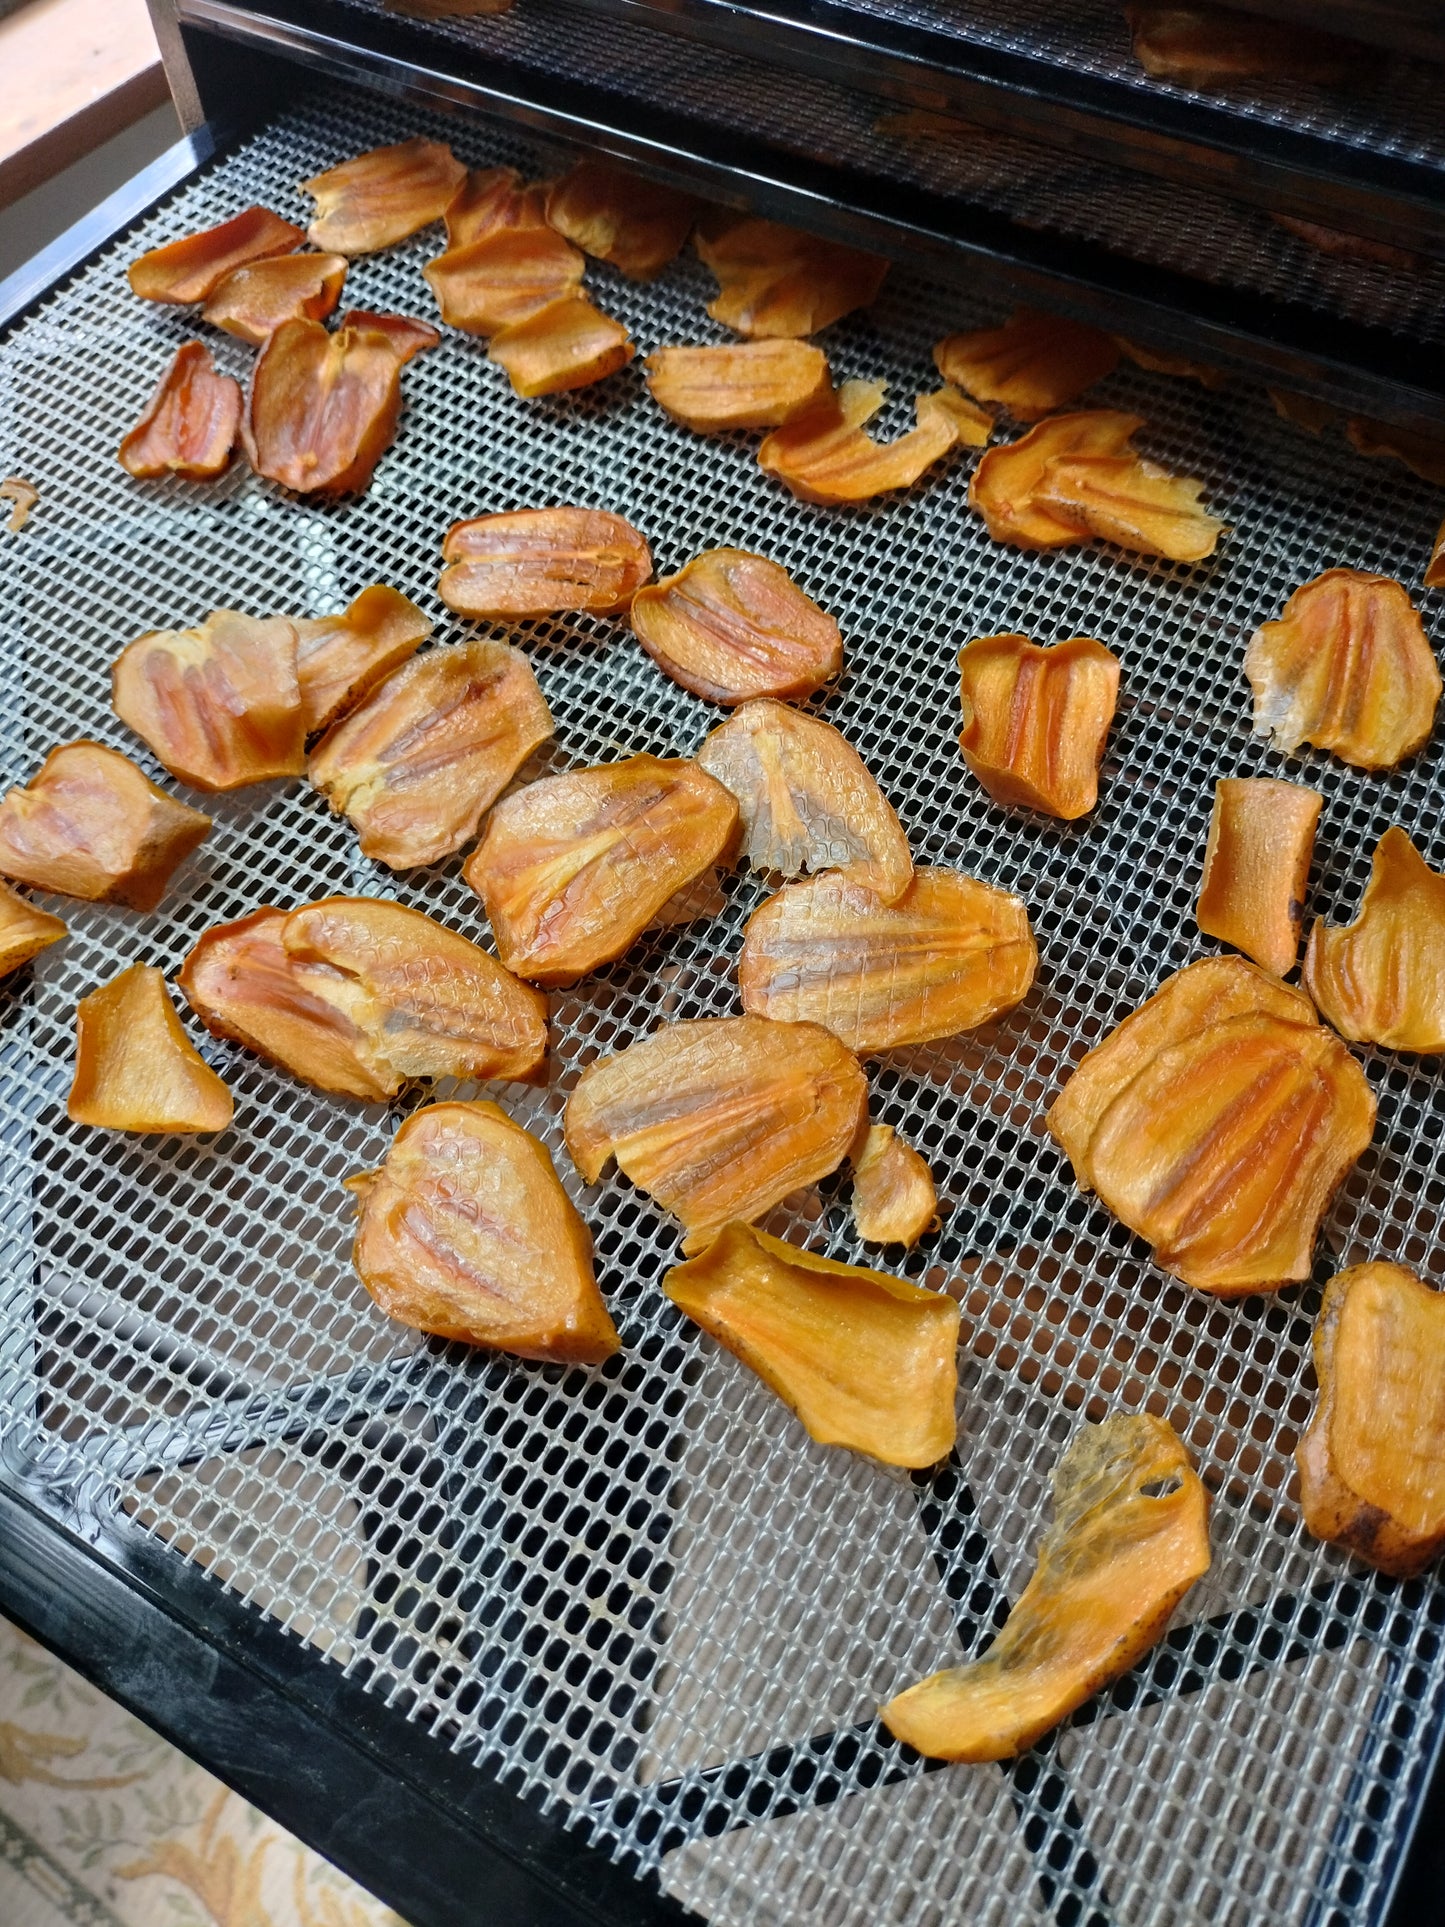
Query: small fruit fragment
(466,1232)
(429,751)
(1342,245)
(949,955)
(1372,1464)
(1423,455)
(617,216)
(827,455)
(1005,484)
(539,562)
(339,658)
(1256,866)
(1348,668)
(1204,46)
(22,497)
(1159,363)
(135,1067)
(732,626)
(1034,364)
(219,705)
(254,301)
(864,1359)
(719,1117)
(1130,1536)
(1380,979)
(492,198)
(1035,720)
(894,1198)
(1131,502)
(190,423)
(749,384)
(1434,568)
(1217,1122)
(506,274)
(574,868)
(382,196)
(568,344)
(1305,411)
(192,268)
(24,931)
(90,825)
(774,280)
(808,801)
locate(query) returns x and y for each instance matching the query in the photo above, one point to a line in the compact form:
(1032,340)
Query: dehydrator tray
(638,1597)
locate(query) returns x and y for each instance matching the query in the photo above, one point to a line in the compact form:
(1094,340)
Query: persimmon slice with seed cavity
(1256,866)
(775,280)
(192,268)
(732,626)
(24,931)
(615,215)
(254,301)
(339,658)
(135,1067)
(382,196)
(190,423)
(506,274)
(1033,364)
(1005,484)
(745,384)
(1035,720)
(827,456)
(539,562)
(1381,979)
(894,1197)
(567,344)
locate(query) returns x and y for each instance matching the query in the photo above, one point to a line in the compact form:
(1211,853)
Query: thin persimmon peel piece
(1381,979)
(135,1067)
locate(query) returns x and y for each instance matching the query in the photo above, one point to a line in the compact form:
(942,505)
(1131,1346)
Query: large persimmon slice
(1033,364)
(1381,979)
(539,562)
(615,215)
(491,198)
(1035,720)
(827,455)
(382,196)
(192,268)
(775,280)
(190,423)
(1005,484)
(567,344)
(732,626)
(503,276)
(339,658)
(135,1067)
(254,301)
(1256,866)
(744,384)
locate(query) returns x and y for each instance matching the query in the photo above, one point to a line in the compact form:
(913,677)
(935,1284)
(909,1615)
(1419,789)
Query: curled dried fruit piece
(1159,363)
(1005,484)
(732,626)
(1204,46)
(774,280)
(568,344)
(507,273)
(827,456)
(1346,667)
(1034,364)
(538,562)
(24,931)
(719,1117)
(949,955)
(90,825)
(192,268)
(1130,1536)
(135,1067)
(807,800)
(1256,866)
(1132,502)
(22,497)
(1380,979)
(466,1232)
(1434,569)
(382,196)
(1423,455)
(1035,720)
(616,215)
(1372,1464)
(573,869)
(749,384)
(190,423)
(894,1198)
(254,301)
(429,751)
(339,658)
(1217,1122)
(864,1359)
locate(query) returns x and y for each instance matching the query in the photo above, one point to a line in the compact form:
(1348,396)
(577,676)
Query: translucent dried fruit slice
(750,384)
(1372,1464)
(1423,455)
(1034,364)
(732,626)
(538,562)
(466,1232)
(1132,502)
(193,268)
(506,274)
(254,301)
(339,658)
(1035,720)
(1256,866)
(24,931)
(616,215)
(774,280)
(864,1359)
(190,423)
(894,1199)
(1380,979)
(1205,46)
(1159,363)
(324,407)
(220,704)
(827,456)
(429,751)
(807,799)
(1348,668)
(573,869)
(492,198)
(382,196)
(949,955)
(568,344)
(1130,1536)
(90,825)
(719,1117)
(135,1067)
(1005,484)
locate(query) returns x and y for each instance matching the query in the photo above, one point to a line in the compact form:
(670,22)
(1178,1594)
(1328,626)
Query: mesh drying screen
(639,1593)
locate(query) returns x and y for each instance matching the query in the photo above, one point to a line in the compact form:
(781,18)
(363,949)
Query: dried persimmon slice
(506,274)
(570,343)
(617,216)
(190,423)
(1005,482)
(776,280)
(135,1067)
(1035,720)
(192,268)
(1380,979)
(1256,866)
(1132,502)
(1434,568)
(1208,46)
(894,1197)
(732,626)
(24,931)
(254,301)
(744,384)
(1423,454)
(828,456)
(492,198)
(537,562)
(339,658)
(382,196)
(1032,365)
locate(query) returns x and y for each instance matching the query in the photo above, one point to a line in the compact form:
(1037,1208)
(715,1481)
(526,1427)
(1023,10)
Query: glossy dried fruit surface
(894,1198)
(507,273)
(90,825)
(568,344)
(1132,502)
(219,704)
(382,196)
(719,1117)
(1130,1536)
(429,751)
(254,301)
(637,225)
(807,799)
(135,1067)
(492,198)
(466,1232)
(24,931)
(747,384)
(1381,979)
(949,955)
(193,268)
(1033,364)
(190,423)
(1372,1464)
(864,1359)
(1205,46)
(538,562)
(340,657)
(775,280)
(1256,867)
(732,626)
(1005,484)
(827,455)
(1348,668)
(573,869)
(1035,720)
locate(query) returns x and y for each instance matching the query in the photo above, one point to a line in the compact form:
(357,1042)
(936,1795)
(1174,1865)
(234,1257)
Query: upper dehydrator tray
(639,1594)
